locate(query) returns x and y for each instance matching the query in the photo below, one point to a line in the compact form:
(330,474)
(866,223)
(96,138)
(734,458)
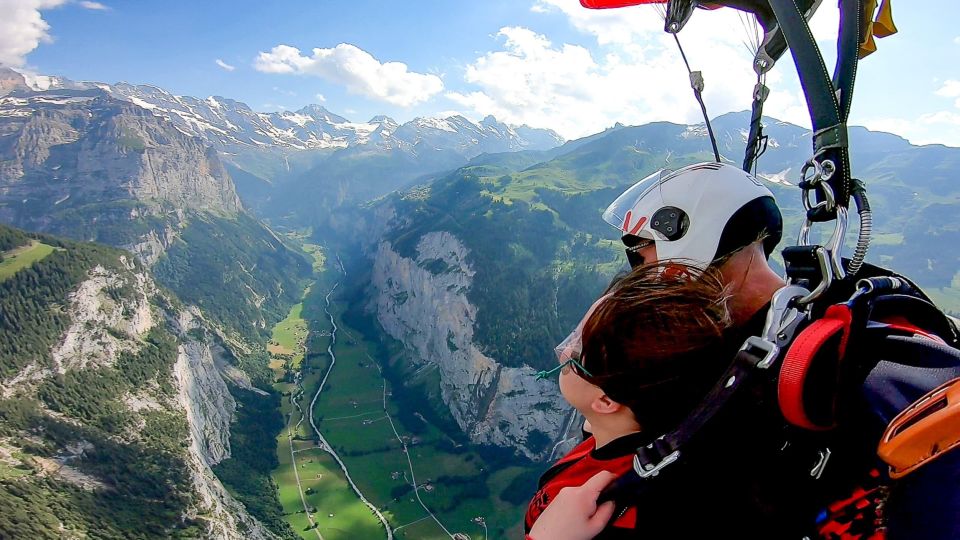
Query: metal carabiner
(783,316)
(826,273)
(829,201)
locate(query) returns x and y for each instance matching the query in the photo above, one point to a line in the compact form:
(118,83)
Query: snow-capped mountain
(233,127)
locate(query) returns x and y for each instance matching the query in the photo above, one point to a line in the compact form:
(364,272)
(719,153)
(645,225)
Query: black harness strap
(828,111)
(650,464)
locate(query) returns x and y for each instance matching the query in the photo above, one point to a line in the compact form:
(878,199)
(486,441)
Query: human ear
(604,405)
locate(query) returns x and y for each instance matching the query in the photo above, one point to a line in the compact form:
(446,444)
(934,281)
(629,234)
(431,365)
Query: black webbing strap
(651,463)
(826,114)
(848,48)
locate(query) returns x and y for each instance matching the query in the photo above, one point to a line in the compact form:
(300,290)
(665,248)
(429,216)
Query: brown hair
(656,344)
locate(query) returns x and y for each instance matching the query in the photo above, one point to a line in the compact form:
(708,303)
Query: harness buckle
(649,470)
(782,320)
(784,316)
(768,350)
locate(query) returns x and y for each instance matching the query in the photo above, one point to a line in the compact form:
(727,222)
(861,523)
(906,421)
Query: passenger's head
(654,345)
(701,213)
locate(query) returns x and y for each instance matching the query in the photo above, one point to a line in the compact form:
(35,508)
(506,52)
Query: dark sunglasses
(572,362)
(634,244)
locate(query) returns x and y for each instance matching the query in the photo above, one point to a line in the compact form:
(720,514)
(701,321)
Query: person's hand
(574,514)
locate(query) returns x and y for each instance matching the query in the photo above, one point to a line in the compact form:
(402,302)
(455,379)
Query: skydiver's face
(578,392)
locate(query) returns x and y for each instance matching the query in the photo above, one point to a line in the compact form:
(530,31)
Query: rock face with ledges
(422,302)
(62,151)
(132,392)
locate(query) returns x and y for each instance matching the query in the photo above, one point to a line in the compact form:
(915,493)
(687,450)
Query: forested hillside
(95,432)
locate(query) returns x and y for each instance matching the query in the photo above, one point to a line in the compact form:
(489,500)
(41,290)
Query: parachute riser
(828,99)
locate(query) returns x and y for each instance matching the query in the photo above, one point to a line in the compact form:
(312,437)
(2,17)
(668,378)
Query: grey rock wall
(423,303)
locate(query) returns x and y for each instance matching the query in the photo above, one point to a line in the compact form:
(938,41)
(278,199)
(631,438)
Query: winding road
(413,478)
(323,441)
(327,447)
(293,460)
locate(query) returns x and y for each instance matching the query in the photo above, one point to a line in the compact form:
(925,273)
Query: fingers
(597,482)
(602,516)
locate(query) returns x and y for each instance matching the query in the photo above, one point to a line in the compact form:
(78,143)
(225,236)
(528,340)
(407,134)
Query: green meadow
(339,514)
(358,415)
(333,506)
(23,257)
(287,341)
(452,478)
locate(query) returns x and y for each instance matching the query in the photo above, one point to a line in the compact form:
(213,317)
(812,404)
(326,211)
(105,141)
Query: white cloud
(941,127)
(948,118)
(634,73)
(321,98)
(950,89)
(956,40)
(637,79)
(225,65)
(93,5)
(22,28)
(356,70)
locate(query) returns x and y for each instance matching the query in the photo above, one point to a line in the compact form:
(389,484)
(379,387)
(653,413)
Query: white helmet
(699,213)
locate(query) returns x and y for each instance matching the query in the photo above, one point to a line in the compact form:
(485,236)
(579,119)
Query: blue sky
(545,63)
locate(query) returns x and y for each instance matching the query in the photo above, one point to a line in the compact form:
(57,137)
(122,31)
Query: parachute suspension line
(751,28)
(696,82)
(756,140)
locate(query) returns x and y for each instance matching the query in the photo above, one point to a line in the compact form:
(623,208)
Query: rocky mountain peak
(71,150)
(384,121)
(11,80)
(320,112)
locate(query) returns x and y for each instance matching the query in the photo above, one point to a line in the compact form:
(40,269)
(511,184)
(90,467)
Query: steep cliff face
(65,153)
(92,167)
(422,302)
(203,393)
(104,321)
(129,402)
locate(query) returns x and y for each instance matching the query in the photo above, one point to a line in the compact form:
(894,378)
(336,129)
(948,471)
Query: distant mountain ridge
(278,157)
(63,150)
(229,125)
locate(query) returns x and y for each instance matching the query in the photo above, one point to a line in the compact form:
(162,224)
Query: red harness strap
(809,345)
(824,343)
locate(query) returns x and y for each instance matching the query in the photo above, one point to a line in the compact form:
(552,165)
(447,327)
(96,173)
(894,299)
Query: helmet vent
(712,166)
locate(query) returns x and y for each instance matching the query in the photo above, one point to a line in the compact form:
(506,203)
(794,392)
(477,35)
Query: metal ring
(829,168)
(817,172)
